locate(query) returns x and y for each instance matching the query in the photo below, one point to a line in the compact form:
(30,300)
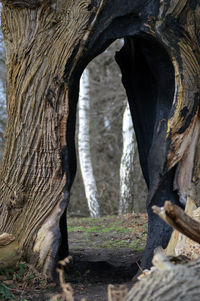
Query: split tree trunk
(48,45)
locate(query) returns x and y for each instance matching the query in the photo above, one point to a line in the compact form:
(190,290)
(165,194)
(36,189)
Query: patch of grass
(109,232)
(113,244)
(136,244)
(84,229)
(115,229)
(76,229)
(108,244)
(97,228)
(139,249)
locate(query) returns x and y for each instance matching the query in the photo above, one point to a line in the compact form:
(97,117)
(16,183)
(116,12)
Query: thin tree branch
(179,220)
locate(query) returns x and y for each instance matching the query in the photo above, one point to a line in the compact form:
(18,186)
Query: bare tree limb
(179,220)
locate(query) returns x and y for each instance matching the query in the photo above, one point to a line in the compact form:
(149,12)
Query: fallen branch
(179,220)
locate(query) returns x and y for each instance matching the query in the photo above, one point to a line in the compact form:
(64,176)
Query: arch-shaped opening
(149,79)
(107,100)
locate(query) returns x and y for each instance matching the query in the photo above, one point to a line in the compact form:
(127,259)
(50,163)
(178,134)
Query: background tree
(126,165)
(84,146)
(106,140)
(2,92)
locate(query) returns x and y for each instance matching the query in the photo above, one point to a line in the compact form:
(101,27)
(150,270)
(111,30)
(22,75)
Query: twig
(67,291)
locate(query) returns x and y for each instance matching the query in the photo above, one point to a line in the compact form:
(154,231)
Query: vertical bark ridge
(37,104)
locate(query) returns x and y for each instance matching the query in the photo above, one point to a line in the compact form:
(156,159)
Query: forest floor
(104,251)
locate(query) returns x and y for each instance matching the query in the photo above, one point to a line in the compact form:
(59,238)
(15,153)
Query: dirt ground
(104,251)
(109,254)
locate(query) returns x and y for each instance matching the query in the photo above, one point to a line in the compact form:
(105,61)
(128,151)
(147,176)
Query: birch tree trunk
(48,45)
(84,146)
(126,165)
(3,114)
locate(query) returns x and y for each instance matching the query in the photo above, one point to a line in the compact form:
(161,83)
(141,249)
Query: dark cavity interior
(149,80)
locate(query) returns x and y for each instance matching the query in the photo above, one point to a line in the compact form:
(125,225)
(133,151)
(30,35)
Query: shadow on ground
(92,270)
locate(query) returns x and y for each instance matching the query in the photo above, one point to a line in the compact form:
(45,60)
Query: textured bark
(34,183)
(48,45)
(173,283)
(84,147)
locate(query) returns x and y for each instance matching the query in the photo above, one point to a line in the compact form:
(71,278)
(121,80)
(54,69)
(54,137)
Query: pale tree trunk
(48,45)
(126,165)
(3,115)
(2,91)
(84,146)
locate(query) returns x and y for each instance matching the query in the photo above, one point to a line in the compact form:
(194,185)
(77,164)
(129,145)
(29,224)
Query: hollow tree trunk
(48,45)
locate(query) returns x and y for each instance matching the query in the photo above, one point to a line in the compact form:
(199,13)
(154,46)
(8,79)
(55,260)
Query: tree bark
(48,45)
(178,282)
(34,175)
